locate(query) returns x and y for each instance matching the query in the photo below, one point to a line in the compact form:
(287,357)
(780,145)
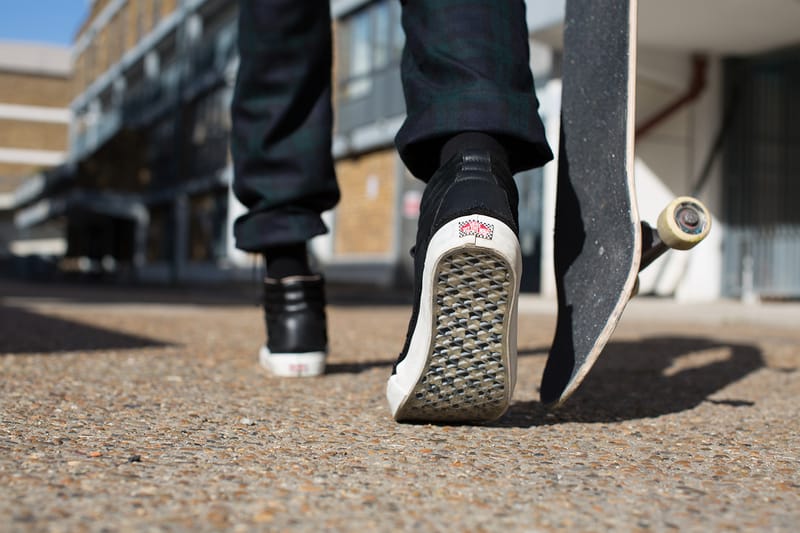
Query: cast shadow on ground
(25,332)
(247,294)
(364,366)
(648,378)
(632,380)
(357,368)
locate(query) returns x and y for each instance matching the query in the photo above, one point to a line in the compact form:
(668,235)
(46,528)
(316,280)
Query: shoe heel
(461,366)
(292,365)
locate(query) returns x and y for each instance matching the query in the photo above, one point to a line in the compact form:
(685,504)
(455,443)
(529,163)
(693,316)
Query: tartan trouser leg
(282,119)
(466,67)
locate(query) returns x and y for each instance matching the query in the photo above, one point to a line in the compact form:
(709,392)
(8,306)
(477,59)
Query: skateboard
(600,243)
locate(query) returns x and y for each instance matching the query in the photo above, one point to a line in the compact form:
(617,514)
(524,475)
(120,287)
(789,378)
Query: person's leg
(472,121)
(466,68)
(283,169)
(282,119)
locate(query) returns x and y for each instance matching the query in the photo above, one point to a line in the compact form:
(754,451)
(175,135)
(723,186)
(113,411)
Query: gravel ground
(120,414)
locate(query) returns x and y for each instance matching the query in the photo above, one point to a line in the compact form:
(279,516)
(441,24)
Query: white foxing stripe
(33,113)
(31,157)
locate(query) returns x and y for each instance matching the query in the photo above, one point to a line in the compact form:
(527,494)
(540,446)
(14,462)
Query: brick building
(146,190)
(35,92)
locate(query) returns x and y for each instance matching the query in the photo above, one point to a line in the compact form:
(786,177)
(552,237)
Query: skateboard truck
(681,225)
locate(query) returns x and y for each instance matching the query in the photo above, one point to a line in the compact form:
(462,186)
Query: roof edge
(35,58)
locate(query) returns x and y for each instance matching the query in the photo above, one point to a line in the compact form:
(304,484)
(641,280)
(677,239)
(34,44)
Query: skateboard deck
(600,243)
(597,232)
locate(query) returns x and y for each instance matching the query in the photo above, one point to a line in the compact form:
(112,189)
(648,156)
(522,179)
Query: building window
(91,61)
(139,21)
(160,233)
(156,12)
(208,214)
(370,41)
(210,124)
(123,30)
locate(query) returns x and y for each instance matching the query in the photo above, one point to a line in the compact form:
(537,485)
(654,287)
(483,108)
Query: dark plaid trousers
(464,68)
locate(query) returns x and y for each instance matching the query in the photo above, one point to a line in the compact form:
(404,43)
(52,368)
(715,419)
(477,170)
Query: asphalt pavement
(144,409)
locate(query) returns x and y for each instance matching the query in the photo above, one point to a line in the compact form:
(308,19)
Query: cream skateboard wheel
(684,223)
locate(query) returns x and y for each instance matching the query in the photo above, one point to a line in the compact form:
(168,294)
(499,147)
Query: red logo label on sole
(477,228)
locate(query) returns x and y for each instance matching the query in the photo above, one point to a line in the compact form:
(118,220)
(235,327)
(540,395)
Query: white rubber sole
(462,358)
(292,365)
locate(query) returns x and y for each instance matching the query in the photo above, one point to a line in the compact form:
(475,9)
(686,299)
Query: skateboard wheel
(684,223)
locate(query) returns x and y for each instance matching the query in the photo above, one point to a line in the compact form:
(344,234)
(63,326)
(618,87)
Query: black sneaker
(297,341)
(460,356)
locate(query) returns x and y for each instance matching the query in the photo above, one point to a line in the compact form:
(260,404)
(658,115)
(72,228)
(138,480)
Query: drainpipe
(695,89)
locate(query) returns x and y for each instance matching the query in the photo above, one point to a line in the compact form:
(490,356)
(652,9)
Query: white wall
(550,109)
(669,160)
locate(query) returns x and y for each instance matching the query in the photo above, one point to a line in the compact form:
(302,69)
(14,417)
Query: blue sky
(42,21)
